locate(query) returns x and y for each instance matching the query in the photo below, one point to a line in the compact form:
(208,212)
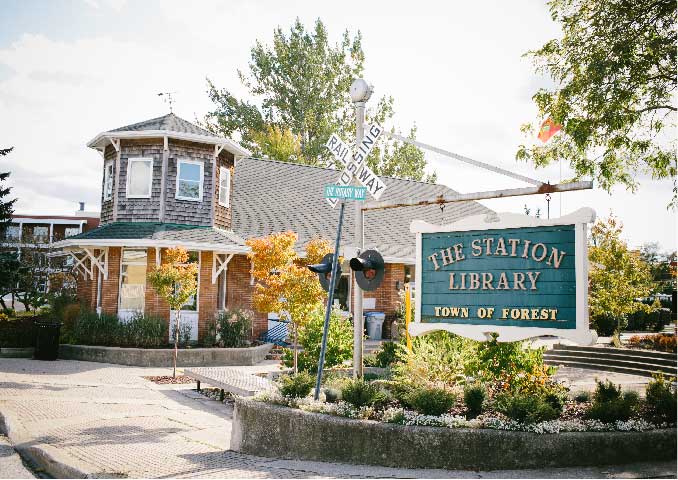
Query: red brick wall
(87,290)
(207,294)
(239,291)
(109,288)
(386,295)
(154,304)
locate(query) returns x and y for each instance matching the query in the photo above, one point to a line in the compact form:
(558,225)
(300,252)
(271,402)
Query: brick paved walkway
(97,419)
(11,465)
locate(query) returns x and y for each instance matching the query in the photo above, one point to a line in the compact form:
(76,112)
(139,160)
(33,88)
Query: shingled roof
(271,196)
(167,126)
(170,123)
(152,234)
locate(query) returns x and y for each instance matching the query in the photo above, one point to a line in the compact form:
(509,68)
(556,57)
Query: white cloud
(456,69)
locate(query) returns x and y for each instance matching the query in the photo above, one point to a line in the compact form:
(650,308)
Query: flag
(548,129)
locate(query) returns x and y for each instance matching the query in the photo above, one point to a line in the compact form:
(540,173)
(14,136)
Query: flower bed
(301,433)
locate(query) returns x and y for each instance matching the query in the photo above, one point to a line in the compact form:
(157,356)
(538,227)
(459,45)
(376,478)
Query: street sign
(346,193)
(511,274)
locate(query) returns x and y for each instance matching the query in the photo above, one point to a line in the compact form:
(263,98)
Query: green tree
(175,280)
(301,83)
(8,259)
(617,276)
(614,71)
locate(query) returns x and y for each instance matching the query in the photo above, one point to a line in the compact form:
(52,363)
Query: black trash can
(47,339)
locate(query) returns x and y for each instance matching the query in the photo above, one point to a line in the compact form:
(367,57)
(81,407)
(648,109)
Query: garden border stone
(275,431)
(162,357)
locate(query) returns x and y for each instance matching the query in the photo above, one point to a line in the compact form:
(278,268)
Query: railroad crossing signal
(324,271)
(369,269)
(355,162)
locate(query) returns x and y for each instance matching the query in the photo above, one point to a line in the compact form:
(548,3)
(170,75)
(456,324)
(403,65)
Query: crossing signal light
(324,271)
(369,269)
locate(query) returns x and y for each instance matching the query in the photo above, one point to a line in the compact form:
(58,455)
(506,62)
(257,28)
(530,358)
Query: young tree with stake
(175,280)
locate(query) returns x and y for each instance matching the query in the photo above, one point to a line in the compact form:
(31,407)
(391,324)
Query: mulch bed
(169,380)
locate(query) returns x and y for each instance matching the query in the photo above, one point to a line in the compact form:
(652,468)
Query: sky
(70,69)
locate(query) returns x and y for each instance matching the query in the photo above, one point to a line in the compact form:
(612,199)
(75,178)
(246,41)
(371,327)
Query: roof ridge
(335,170)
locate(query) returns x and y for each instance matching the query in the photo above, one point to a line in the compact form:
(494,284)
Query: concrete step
(621,357)
(603,368)
(601,361)
(617,351)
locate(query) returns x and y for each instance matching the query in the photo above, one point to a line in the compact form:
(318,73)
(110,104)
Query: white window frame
(108,180)
(202,179)
(227,171)
(74,231)
(130,161)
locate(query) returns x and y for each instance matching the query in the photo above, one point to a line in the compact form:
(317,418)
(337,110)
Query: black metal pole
(330,299)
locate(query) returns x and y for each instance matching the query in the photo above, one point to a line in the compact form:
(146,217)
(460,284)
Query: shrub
(17,332)
(185,332)
(93,329)
(296,386)
(606,324)
(339,342)
(582,397)
(431,400)
(332,395)
(233,328)
(387,355)
(474,399)
(621,408)
(360,393)
(144,331)
(660,397)
(654,320)
(662,342)
(606,392)
(610,405)
(525,408)
(437,358)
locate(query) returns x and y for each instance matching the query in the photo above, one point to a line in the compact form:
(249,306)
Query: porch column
(207,294)
(111,286)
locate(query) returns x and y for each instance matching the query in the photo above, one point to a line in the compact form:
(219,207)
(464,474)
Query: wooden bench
(230,380)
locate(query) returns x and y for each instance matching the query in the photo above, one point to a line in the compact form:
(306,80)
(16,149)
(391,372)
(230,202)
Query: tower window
(139,177)
(108,181)
(224,186)
(189,180)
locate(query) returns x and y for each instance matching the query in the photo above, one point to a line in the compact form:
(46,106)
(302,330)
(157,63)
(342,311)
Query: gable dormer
(167,170)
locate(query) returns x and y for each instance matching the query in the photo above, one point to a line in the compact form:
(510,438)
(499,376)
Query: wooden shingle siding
(222,215)
(185,211)
(107,205)
(140,209)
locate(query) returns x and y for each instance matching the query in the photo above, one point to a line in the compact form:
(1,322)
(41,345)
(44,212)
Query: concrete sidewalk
(76,419)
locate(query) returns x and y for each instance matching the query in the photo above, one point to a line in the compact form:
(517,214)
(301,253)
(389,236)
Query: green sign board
(512,277)
(515,275)
(345,192)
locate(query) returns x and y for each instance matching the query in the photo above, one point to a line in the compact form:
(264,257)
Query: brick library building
(169,183)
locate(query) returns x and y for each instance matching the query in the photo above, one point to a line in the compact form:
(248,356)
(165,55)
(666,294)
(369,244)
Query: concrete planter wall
(162,357)
(275,431)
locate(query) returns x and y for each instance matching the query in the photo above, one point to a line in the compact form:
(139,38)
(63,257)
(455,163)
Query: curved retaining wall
(162,357)
(275,431)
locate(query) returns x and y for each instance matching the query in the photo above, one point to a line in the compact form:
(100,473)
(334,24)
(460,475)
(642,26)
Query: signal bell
(369,269)
(324,271)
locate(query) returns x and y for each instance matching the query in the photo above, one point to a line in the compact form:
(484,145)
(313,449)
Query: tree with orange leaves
(176,281)
(284,284)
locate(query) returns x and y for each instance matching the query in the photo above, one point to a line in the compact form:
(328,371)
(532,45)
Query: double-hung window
(189,180)
(139,177)
(108,181)
(224,186)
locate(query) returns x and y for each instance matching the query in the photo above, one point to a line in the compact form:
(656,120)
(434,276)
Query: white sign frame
(493,221)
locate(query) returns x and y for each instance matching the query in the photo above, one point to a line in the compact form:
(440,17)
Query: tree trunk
(176,342)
